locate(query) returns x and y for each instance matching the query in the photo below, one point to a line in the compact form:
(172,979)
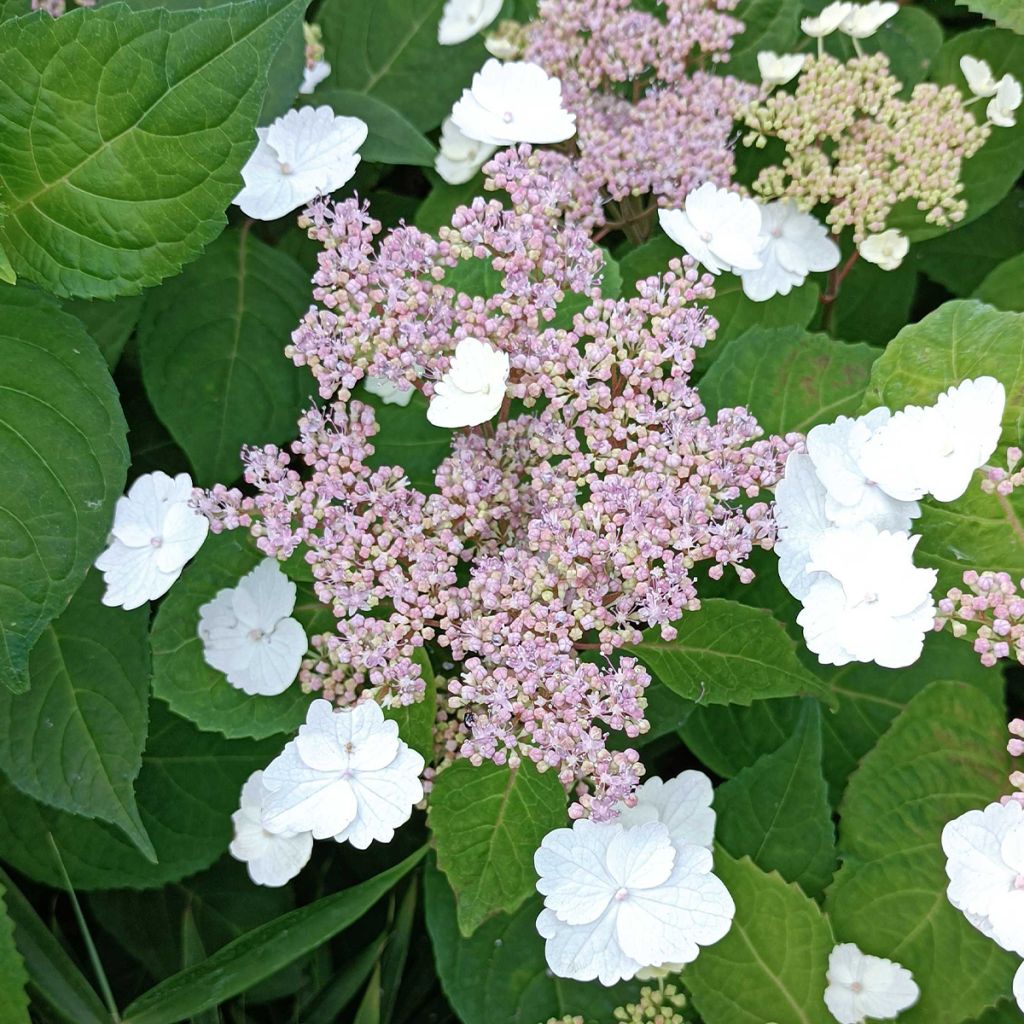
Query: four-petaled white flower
(620,899)
(155,533)
(886,249)
(936,449)
(387,392)
(514,102)
(682,805)
(347,775)
(306,153)
(778,69)
(718,228)
(1002,108)
(793,244)
(866,19)
(862,986)
(312,75)
(462,19)
(247,632)
(270,860)
(825,23)
(473,389)
(985,866)
(459,157)
(978,73)
(870,603)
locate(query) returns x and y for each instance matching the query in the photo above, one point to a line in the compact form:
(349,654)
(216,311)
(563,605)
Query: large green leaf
(789,379)
(13,977)
(771,965)
(181,677)
(1005,13)
(74,740)
(62,445)
(186,792)
(777,812)
(262,951)
(944,755)
(109,324)
(487,823)
(392,139)
(388,49)
(728,653)
(499,974)
(54,980)
(122,134)
(1004,286)
(211,343)
(873,304)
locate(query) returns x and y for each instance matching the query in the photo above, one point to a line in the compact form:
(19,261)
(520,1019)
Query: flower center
(1018,882)
(776,232)
(156,542)
(857,986)
(705,236)
(508,117)
(620,894)
(285,168)
(256,634)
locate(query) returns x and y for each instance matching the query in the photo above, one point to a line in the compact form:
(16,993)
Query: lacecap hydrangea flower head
(585,493)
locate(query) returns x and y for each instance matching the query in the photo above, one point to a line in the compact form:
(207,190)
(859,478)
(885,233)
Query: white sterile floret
(462,19)
(871,603)
(306,153)
(854,495)
(473,389)
(830,18)
(718,228)
(793,244)
(459,157)
(985,866)
(778,69)
(247,632)
(620,899)
(801,519)
(980,79)
(313,75)
(866,19)
(861,986)
(387,392)
(886,249)
(155,533)
(936,449)
(1001,109)
(347,775)
(270,860)
(514,102)
(682,805)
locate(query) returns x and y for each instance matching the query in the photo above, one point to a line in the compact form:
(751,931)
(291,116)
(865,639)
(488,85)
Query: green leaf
(262,952)
(728,653)
(186,792)
(789,379)
(959,260)
(109,324)
(7,274)
(181,676)
(1005,13)
(406,439)
(416,721)
(944,755)
(487,823)
(211,343)
(959,340)
(499,974)
(54,981)
(391,139)
(873,303)
(62,443)
(13,977)
(777,812)
(1004,286)
(388,49)
(767,25)
(74,740)
(117,173)
(771,965)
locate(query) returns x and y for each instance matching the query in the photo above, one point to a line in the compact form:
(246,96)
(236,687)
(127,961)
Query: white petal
(264,596)
(313,76)
(132,577)
(676,224)
(463,19)
(979,76)
(1018,987)
(585,952)
(273,662)
(271,860)
(573,874)
(682,804)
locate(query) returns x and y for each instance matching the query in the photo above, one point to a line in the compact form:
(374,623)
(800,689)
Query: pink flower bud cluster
(1015,747)
(992,609)
(1004,481)
(854,145)
(555,534)
(650,120)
